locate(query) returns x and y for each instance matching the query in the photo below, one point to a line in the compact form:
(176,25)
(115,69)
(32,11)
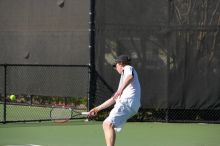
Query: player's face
(119,68)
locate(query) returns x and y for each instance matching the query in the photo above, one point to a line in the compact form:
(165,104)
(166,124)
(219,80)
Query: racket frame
(64,120)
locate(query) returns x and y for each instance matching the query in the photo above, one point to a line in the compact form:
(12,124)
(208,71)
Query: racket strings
(61,114)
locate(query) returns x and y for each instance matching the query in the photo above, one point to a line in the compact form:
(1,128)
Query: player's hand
(93,112)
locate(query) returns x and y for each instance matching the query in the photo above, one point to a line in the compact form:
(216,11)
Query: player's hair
(123,60)
(125,63)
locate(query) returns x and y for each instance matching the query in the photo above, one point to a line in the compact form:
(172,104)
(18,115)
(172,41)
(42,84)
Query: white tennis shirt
(133,89)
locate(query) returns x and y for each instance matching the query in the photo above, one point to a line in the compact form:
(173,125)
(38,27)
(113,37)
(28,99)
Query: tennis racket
(62,114)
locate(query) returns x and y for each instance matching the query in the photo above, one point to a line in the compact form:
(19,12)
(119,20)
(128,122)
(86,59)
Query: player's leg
(109,132)
(116,119)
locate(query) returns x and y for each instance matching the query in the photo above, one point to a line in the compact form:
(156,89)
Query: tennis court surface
(91,134)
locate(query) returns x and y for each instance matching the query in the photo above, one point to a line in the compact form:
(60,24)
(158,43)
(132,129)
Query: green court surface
(91,134)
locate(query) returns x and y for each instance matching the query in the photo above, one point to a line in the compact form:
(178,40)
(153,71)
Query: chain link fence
(38,87)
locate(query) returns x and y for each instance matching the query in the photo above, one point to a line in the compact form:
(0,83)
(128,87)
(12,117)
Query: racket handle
(85,113)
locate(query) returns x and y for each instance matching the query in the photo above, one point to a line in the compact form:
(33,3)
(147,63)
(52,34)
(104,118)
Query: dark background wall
(42,32)
(174,45)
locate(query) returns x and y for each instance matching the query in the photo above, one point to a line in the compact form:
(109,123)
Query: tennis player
(126,100)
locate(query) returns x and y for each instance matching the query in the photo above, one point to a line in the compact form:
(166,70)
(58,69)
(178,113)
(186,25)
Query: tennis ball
(12,97)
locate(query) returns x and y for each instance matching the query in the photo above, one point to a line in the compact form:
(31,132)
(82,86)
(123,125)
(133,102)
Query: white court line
(24,145)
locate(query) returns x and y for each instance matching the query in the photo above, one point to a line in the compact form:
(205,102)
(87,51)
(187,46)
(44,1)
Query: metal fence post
(5,94)
(92,80)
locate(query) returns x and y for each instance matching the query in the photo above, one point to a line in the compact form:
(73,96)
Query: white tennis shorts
(122,111)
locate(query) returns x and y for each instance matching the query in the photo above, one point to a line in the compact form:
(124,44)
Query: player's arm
(112,100)
(104,105)
(126,82)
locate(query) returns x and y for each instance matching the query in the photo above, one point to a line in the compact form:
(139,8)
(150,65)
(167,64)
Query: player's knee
(107,125)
